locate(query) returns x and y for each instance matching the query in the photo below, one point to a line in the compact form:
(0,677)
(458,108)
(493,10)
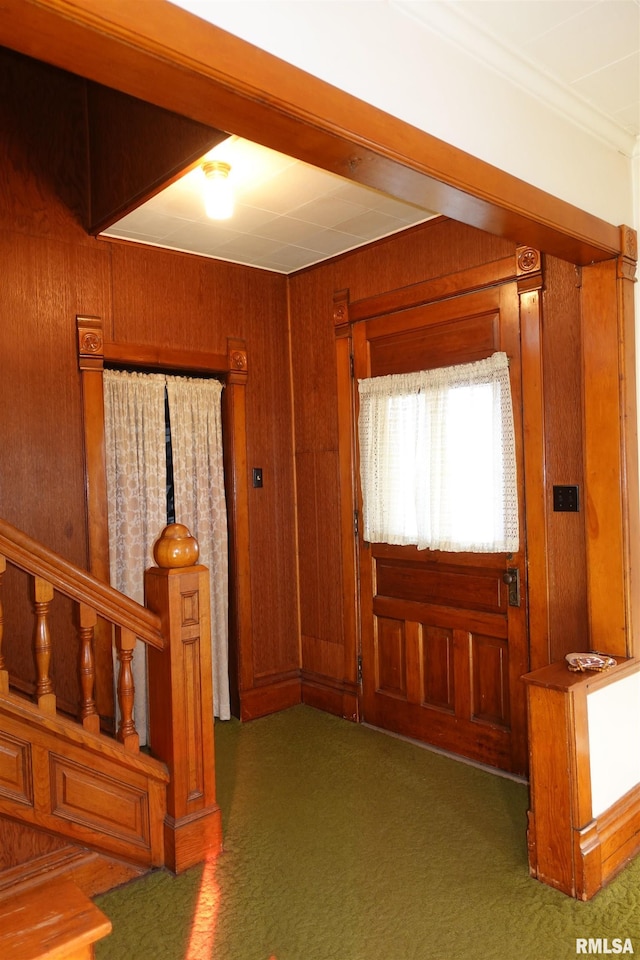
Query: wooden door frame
(181,63)
(93,352)
(525,268)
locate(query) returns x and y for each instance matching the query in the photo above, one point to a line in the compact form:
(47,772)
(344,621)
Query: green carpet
(343,843)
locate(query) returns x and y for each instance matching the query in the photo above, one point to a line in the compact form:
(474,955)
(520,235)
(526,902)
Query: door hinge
(352,364)
(356,524)
(359,670)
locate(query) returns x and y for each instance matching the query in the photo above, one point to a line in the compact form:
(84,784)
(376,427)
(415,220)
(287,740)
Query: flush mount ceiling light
(218,192)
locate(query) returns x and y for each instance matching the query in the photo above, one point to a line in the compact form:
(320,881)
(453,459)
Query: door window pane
(437,458)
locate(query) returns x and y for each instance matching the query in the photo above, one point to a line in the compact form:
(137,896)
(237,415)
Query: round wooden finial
(175,547)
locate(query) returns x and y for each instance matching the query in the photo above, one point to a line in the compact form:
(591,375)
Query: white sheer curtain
(198,475)
(437,458)
(136,488)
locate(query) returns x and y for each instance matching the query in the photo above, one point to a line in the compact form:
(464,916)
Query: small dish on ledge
(579,662)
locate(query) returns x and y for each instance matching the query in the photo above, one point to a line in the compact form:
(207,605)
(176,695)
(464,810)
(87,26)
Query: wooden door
(442,648)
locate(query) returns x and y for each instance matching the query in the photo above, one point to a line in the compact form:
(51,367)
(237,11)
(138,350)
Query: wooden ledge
(557,676)
(38,923)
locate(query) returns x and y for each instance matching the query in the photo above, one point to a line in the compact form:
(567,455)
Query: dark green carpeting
(343,843)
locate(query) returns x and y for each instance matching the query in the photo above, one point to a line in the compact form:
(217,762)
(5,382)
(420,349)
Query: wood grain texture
(82,787)
(160,147)
(34,925)
(569,848)
(194,68)
(563,457)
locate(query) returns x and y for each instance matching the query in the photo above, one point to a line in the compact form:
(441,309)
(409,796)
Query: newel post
(181,698)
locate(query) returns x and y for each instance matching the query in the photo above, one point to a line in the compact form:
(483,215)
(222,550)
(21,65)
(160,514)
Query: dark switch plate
(565,499)
(257,476)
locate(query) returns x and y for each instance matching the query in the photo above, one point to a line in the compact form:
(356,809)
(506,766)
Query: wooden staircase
(77,804)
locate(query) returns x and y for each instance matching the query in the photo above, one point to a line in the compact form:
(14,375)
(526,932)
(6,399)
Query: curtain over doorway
(136,464)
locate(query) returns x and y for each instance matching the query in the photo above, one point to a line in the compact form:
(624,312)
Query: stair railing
(175,628)
(51,573)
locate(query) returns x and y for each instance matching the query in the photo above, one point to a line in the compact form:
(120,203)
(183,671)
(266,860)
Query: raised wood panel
(390,652)
(15,769)
(475,589)
(438,667)
(83,796)
(413,350)
(90,792)
(434,615)
(490,658)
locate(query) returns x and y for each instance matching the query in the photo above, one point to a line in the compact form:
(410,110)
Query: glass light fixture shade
(218,192)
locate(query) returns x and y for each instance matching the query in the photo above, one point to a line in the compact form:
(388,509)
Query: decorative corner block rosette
(528,259)
(90,342)
(238,360)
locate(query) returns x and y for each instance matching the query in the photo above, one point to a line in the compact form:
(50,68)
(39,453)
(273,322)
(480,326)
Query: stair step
(35,925)
(92,872)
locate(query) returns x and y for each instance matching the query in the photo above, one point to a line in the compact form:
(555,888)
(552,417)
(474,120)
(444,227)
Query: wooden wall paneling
(237,481)
(531,352)
(349,518)
(626,272)
(43,185)
(571,847)
(565,532)
(439,256)
(193,68)
(198,302)
(160,147)
(605,469)
(91,364)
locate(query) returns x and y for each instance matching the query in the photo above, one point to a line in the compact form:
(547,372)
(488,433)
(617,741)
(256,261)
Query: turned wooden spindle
(4,673)
(125,643)
(88,712)
(42,645)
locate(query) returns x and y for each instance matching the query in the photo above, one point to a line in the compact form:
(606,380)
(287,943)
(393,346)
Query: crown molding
(443,19)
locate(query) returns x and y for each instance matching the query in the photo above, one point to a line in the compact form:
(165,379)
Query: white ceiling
(580,55)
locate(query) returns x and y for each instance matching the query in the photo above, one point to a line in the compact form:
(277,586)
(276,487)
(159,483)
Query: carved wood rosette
(528,269)
(628,259)
(90,343)
(341,320)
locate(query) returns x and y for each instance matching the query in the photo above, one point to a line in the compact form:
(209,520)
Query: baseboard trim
(269,698)
(339,697)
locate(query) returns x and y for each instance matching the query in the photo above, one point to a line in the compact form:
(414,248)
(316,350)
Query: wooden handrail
(35,559)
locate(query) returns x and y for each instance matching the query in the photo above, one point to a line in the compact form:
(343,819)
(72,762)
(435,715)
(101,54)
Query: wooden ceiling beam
(165,56)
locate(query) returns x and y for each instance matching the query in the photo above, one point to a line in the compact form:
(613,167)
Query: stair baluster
(88,712)
(125,643)
(42,645)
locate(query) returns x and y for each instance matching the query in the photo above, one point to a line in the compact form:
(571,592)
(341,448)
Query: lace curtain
(136,485)
(437,458)
(196,437)
(136,489)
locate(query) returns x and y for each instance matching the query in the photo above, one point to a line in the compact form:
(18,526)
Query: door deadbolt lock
(512,579)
